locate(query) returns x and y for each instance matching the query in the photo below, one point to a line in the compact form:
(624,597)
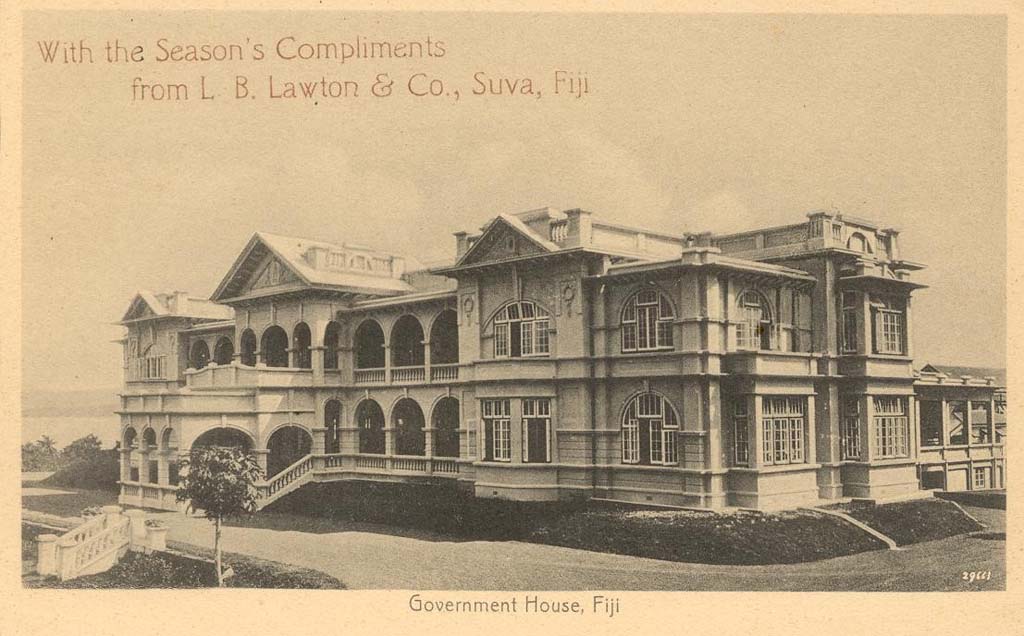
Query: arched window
(332,339)
(858,243)
(647,322)
(444,339)
(274,347)
(247,343)
(370,421)
(369,345)
(521,330)
(224,351)
(649,427)
(754,329)
(301,340)
(407,343)
(200,355)
(332,422)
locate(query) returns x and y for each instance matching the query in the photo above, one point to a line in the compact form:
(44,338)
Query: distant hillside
(71,403)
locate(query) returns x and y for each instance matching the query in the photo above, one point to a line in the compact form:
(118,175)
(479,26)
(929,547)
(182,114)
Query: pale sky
(694,123)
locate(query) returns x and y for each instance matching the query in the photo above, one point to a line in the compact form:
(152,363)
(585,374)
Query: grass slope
(742,538)
(914,521)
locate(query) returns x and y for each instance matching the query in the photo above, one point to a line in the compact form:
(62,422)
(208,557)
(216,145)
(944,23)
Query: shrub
(97,472)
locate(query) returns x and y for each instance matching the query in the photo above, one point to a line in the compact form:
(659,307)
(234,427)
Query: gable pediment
(273,273)
(141,308)
(257,269)
(500,241)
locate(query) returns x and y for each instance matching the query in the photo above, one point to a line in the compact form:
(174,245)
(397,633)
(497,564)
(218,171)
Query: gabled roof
(306,263)
(494,226)
(957,372)
(146,305)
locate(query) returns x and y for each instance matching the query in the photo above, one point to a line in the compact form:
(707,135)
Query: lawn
(69,505)
(908,522)
(740,538)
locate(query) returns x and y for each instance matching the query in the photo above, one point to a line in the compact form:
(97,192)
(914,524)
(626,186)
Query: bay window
(755,327)
(892,430)
(849,319)
(647,319)
(741,432)
(850,441)
(782,424)
(889,316)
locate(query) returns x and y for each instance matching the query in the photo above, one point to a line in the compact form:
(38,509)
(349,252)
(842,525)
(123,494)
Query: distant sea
(66,429)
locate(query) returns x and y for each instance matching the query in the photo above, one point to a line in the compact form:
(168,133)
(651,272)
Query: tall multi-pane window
(536,430)
(850,441)
(850,303)
(741,432)
(497,430)
(754,327)
(892,430)
(521,329)
(783,422)
(889,317)
(649,428)
(647,321)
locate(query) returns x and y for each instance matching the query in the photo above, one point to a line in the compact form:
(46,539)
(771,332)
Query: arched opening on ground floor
(223,436)
(407,419)
(370,421)
(287,445)
(445,422)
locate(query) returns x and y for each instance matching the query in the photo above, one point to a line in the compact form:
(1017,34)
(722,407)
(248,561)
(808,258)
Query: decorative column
(428,441)
(387,362)
(426,362)
(317,358)
(126,461)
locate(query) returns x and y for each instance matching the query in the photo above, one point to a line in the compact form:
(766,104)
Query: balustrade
(369,376)
(444,372)
(407,374)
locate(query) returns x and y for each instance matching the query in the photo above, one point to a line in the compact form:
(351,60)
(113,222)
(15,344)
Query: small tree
(221,482)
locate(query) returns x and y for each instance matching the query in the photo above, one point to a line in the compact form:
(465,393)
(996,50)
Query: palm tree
(47,445)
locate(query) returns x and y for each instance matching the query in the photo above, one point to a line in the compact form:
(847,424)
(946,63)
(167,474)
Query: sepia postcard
(449,318)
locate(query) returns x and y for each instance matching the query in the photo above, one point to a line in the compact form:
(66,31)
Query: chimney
(461,244)
(180,303)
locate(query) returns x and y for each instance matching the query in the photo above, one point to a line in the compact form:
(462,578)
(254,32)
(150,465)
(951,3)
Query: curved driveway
(375,560)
